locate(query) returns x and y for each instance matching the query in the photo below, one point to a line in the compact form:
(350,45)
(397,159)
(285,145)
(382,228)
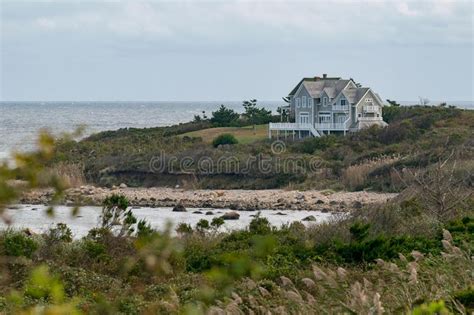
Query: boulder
(309,218)
(209,213)
(179,208)
(123,185)
(319,202)
(197,212)
(280,213)
(232,215)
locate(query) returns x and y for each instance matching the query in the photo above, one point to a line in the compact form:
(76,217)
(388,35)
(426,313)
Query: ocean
(21,121)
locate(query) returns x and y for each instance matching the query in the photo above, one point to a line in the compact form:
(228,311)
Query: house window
(304,118)
(304,101)
(343,102)
(359,115)
(298,102)
(325,100)
(324,118)
(368,100)
(311,103)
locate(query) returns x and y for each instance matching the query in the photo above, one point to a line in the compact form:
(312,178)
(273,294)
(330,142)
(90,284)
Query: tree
(224,117)
(255,115)
(393,103)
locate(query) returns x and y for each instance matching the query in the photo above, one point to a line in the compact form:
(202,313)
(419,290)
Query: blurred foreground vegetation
(413,255)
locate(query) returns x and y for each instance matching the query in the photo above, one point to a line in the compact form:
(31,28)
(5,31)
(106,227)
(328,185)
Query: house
(324,105)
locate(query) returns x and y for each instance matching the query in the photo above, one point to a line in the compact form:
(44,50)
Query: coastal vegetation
(410,255)
(378,159)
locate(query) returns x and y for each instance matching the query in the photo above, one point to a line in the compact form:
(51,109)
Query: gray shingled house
(324,105)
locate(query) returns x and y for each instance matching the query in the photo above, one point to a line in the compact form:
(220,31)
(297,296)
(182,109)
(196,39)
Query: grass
(244,135)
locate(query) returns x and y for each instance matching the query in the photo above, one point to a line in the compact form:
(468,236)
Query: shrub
(225,138)
(94,250)
(115,216)
(202,225)
(217,222)
(18,244)
(259,225)
(184,228)
(466,297)
(60,233)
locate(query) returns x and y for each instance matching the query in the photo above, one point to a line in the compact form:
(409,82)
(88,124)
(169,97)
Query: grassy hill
(376,159)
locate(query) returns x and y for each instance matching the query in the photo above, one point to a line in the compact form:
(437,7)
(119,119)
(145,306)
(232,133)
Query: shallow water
(34,218)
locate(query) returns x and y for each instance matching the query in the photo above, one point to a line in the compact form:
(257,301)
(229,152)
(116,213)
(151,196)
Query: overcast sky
(233,50)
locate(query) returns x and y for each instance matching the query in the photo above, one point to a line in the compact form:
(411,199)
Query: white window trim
(303,101)
(341,101)
(297,100)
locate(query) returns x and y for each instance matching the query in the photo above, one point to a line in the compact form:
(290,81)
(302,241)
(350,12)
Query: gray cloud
(278,41)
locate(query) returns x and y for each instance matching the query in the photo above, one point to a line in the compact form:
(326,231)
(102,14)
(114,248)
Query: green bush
(18,244)
(260,225)
(466,297)
(60,233)
(225,138)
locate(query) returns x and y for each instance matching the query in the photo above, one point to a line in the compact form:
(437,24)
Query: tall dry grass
(355,175)
(72,174)
(384,289)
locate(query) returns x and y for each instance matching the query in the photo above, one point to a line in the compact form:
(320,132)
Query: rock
(357,204)
(177,186)
(209,213)
(319,202)
(179,208)
(301,197)
(281,200)
(309,218)
(197,212)
(333,202)
(123,185)
(280,213)
(232,215)
(325,210)
(235,206)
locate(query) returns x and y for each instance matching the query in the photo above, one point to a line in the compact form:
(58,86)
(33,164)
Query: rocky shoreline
(277,199)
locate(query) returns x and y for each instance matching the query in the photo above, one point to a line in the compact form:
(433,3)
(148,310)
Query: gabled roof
(314,79)
(333,87)
(353,95)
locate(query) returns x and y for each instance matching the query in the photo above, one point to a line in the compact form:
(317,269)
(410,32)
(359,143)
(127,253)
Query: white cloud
(403,21)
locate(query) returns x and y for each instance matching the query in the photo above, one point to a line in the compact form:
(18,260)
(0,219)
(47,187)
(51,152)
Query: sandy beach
(327,201)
